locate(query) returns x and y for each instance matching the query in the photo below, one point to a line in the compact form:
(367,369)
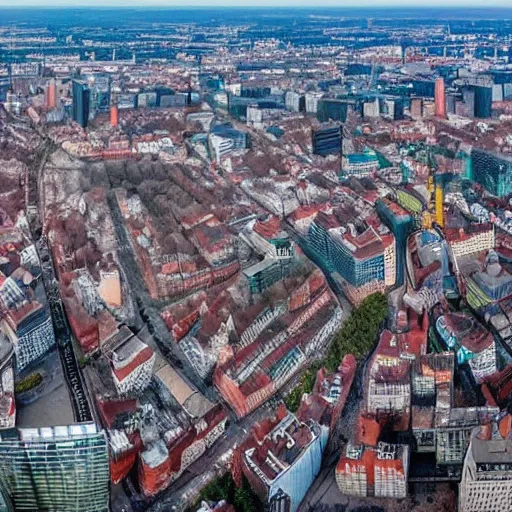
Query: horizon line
(316,6)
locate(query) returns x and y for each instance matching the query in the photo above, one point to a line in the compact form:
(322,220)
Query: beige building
(487,474)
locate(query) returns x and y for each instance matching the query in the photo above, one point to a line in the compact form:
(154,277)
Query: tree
(357,336)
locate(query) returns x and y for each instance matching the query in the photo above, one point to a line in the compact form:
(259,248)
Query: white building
(292,101)
(487,474)
(312,102)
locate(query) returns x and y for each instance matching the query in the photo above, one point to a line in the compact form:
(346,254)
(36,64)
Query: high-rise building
(51,95)
(416,108)
(99,86)
(81,102)
(469,98)
(440,99)
(54,468)
(483,101)
(400,222)
(493,171)
(114,116)
(332,110)
(327,140)
(294,101)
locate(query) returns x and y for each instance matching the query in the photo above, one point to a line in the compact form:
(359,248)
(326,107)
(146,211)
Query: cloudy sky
(240,3)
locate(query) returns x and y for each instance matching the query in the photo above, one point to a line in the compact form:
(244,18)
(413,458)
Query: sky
(262,3)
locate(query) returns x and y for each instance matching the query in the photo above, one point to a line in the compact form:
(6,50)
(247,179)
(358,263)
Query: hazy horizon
(255,3)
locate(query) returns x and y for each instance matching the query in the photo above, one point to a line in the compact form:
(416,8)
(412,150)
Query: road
(72,374)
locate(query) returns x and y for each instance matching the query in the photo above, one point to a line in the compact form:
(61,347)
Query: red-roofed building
(132,365)
(381,472)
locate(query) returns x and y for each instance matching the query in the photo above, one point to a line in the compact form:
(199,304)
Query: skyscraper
(81,97)
(114,116)
(54,468)
(440,99)
(51,95)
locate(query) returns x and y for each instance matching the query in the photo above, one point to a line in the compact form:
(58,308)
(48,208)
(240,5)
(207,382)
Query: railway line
(72,374)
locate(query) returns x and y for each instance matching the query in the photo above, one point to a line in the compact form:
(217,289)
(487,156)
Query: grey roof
(495,451)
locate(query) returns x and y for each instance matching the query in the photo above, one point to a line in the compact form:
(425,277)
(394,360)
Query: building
(81,102)
(388,383)
(493,171)
(51,95)
(294,101)
(55,468)
(475,238)
(362,254)
(223,139)
(379,471)
(440,98)
(114,116)
(371,109)
(486,482)
(331,110)
(360,164)
(132,363)
(416,108)
(282,455)
(147,99)
(24,316)
(99,87)
(483,101)
(328,140)
(311,102)
(400,222)
(7,399)
(30,330)
(471,342)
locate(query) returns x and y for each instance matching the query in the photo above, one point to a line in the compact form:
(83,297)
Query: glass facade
(54,469)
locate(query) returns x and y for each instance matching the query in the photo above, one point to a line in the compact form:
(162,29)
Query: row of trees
(224,488)
(357,336)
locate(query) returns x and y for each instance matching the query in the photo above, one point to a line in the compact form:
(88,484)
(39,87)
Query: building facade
(55,468)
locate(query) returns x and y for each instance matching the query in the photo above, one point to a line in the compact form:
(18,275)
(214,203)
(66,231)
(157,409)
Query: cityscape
(256,259)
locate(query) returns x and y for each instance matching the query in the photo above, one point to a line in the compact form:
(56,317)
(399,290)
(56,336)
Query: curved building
(472,343)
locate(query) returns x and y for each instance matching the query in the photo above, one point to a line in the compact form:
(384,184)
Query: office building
(416,108)
(294,101)
(471,342)
(331,110)
(327,140)
(493,171)
(282,455)
(400,222)
(440,99)
(311,102)
(55,468)
(483,102)
(486,482)
(360,164)
(51,95)
(81,102)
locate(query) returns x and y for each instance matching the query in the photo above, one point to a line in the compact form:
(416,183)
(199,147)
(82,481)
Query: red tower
(440,98)
(114,116)
(51,98)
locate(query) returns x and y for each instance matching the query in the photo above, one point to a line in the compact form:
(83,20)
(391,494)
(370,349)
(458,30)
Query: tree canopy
(357,336)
